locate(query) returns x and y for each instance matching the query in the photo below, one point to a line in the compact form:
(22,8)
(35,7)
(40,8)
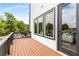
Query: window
(44,24)
(35,26)
(49,24)
(68,27)
(40,25)
(68,21)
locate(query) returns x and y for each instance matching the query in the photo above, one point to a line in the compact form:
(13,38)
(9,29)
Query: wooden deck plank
(30,47)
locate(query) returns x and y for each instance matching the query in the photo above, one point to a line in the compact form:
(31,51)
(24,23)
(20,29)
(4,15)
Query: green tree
(40,27)
(22,27)
(9,16)
(65,27)
(3,31)
(49,27)
(11,24)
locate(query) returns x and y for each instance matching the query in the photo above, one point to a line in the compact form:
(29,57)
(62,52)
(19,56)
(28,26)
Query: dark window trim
(37,22)
(42,25)
(49,11)
(58,30)
(52,9)
(34,27)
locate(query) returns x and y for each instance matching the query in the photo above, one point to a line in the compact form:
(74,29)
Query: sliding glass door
(67,37)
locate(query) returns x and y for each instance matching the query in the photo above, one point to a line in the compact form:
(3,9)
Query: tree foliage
(11,24)
(49,28)
(65,27)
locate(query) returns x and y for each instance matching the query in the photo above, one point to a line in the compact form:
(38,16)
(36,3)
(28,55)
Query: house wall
(37,10)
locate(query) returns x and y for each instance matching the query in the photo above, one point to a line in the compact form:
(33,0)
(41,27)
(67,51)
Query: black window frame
(36,26)
(42,25)
(49,11)
(53,10)
(59,41)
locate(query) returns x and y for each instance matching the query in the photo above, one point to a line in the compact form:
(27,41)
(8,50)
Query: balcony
(20,45)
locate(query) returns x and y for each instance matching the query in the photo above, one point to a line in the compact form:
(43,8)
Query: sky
(19,10)
(50,18)
(69,15)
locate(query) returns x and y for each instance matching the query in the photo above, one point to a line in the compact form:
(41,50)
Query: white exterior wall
(36,11)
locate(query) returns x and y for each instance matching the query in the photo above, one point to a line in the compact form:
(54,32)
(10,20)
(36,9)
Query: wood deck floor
(30,47)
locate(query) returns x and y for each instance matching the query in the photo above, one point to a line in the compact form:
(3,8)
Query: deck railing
(22,35)
(6,41)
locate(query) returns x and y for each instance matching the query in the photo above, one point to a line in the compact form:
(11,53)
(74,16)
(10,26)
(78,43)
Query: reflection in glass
(49,24)
(69,27)
(35,25)
(40,24)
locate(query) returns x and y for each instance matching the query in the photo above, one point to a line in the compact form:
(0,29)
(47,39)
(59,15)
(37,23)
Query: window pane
(69,27)
(49,24)
(40,24)
(35,26)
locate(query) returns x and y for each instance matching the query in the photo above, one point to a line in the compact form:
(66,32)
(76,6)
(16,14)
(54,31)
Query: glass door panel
(68,27)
